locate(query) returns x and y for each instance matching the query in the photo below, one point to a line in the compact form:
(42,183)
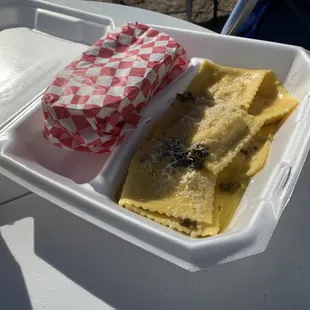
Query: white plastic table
(50,259)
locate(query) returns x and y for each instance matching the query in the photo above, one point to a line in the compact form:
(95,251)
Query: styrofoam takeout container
(46,38)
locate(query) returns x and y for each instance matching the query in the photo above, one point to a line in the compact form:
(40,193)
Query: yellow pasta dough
(255,153)
(230,187)
(272,101)
(227,85)
(233,180)
(227,197)
(153,183)
(183,104)
(222,129)
(180,107)
(186,226)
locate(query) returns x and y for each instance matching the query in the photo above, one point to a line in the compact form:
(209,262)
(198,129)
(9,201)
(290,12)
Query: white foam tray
(38,39)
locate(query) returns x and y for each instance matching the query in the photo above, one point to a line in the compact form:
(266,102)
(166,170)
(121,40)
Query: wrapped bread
(98,97)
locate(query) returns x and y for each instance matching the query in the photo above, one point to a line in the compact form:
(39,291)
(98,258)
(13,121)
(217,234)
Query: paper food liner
(92,103)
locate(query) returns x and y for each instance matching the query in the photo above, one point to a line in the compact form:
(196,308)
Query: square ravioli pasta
(157,182)
(191,172)
(222,129)
(227,85)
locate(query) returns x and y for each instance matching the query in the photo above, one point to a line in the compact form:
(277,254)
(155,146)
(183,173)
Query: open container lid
(38,39)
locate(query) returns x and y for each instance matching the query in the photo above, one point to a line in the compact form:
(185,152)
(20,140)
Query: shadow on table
(13,290)
(127,277)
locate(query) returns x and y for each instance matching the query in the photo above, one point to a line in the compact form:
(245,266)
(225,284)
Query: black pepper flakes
(244,152)
(188,223)
(180,156)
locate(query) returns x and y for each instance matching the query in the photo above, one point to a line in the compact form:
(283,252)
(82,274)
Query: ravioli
(272,100)
(226,85)
(193,170)
(186,226)
(183,104)
(227,197)
(222,129)
(230,187)
(233,180)
(255,153)
(156,184)
(180,107)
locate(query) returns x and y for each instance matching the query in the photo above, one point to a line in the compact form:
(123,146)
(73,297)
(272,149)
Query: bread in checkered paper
(93,101)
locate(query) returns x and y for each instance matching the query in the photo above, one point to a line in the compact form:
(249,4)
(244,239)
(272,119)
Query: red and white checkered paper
(92,103)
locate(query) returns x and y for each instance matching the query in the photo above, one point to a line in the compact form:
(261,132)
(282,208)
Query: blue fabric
(248,29)
(283,21)
(301,8)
